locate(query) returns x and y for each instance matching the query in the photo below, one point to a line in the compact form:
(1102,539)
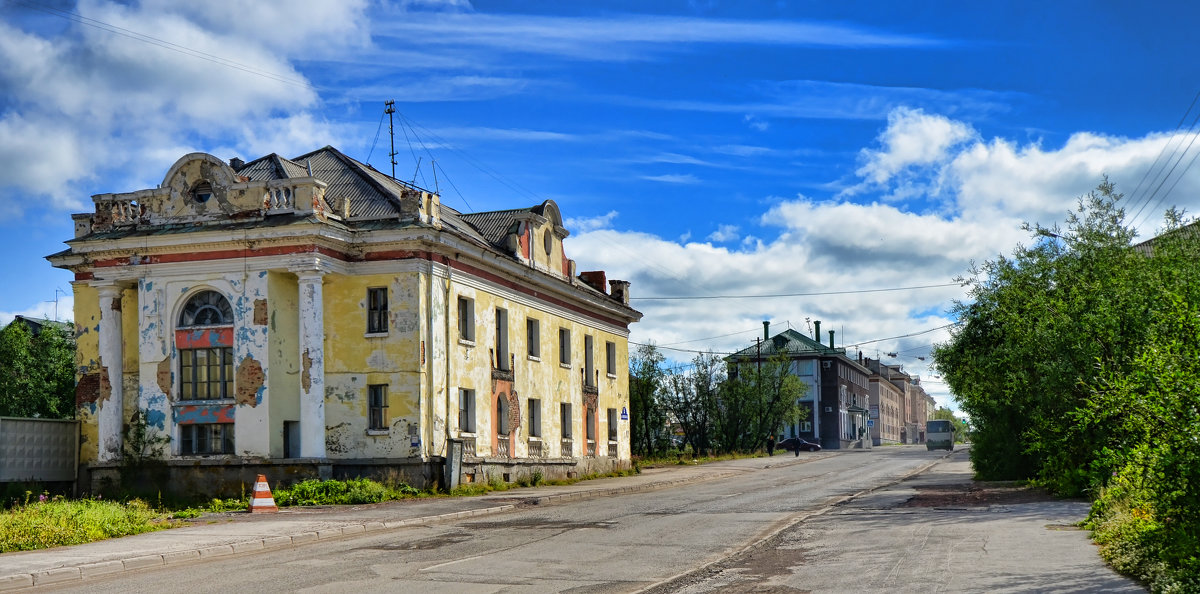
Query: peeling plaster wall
(283,370)
(435,409)
(355,360)
(252,422)
(87,368)
(155,371)
(542,378)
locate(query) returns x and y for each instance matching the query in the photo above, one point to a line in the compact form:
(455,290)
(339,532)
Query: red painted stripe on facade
(377,256)
(201,338)
(203,414)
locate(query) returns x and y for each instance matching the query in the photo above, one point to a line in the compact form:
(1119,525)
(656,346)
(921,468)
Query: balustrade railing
(612,449)
(566,449)
(591,448)
(468,446)
(535,448)
(502,448)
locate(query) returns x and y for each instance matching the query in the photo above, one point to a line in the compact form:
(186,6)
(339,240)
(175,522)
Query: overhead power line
(187,51)
(776,295)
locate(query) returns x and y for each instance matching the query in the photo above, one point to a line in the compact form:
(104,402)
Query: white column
(110,411)
(312,365)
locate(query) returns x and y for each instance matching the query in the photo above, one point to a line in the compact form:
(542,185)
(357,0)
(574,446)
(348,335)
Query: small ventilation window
(202,191)
(547,241)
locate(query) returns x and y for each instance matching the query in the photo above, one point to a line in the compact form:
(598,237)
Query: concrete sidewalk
(218,535)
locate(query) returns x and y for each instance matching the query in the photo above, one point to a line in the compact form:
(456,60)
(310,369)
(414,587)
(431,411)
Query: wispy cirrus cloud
(816,99)
(633,37)
(672,178)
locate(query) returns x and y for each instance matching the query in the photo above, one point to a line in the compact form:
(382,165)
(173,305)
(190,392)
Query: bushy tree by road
(37,372)
(1078,362)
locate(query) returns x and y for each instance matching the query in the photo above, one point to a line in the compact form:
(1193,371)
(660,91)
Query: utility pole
(390,108)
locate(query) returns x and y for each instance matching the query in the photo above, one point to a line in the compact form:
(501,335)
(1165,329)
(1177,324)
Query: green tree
(37,372)
(759,398)
(691,399)
(649,429)
(1029,340)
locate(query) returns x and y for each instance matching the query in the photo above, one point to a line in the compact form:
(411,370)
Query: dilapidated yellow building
(315,317)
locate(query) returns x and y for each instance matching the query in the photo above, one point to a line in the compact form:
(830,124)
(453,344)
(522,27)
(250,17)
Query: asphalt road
(791,514)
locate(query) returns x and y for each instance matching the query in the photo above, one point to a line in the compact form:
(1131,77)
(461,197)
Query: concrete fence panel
(42,450)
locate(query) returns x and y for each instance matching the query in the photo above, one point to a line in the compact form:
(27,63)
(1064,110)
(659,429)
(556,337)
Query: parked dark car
(795,444)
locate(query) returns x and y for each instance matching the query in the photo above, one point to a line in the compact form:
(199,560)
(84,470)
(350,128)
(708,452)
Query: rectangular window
(502,359)
(206,373)
(533,338)
(378,405)
(806,426)
(535,417)
(589,363)
(564,410)
(466,319)
(564,346)
(206,439)
(612,423)
(610,358)
(466,410)
(377,310)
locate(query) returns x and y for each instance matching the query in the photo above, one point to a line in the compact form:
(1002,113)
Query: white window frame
(533,338)
(610,363)
(564,347)
(565,420)
(466,410)
(466,319)
(589,361)
(377,405)
(502,358)
(535,417)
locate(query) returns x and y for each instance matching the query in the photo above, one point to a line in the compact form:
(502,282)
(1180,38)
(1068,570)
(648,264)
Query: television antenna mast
(390,108)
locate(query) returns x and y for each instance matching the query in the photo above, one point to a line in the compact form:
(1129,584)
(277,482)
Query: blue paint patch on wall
(262,274)
(156,419)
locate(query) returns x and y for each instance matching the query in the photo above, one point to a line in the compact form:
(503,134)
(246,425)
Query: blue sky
(698,149)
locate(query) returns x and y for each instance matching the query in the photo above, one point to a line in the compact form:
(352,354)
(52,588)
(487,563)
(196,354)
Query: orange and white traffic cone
(262,501)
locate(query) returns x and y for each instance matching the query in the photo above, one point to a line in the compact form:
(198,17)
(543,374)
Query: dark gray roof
(495,225)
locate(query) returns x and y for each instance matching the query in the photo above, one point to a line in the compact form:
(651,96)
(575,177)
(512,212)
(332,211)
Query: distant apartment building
(886,403)
(899,404)
(837,389)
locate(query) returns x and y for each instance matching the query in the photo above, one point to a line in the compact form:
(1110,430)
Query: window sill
(466,343)
(378,432)
(375,335)
(611,375)
(534,358)
(564,365)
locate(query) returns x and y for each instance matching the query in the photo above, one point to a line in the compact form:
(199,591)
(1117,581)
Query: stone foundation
(225,478)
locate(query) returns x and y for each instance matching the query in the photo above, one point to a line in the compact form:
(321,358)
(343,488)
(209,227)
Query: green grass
(59,522)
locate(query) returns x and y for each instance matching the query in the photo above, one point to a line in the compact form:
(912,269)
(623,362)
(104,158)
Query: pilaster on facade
(312,363)
(110,412)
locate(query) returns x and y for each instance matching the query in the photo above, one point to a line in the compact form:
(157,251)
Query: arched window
(204,342)
(208,308)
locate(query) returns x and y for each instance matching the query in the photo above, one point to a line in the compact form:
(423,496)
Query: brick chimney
(595,279)
(620,291)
